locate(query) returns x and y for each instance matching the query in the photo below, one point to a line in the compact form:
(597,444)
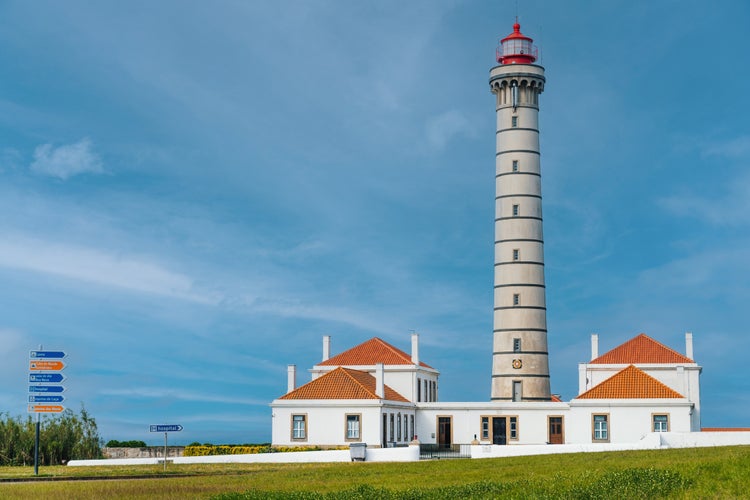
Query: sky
(193,193)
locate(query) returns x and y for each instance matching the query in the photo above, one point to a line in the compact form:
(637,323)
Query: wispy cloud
(183,395)
(445,126)
(66,161)
(737,147)
(98,266)
(731,208)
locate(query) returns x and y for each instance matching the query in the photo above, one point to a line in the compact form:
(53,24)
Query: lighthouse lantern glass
(517,46)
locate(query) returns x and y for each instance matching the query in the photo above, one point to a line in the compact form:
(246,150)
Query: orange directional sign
(46,365)
(46,408)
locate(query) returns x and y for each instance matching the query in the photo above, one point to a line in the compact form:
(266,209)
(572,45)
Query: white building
(634,389)
(375,393)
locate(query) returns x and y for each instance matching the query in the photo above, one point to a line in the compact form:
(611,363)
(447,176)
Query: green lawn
(688,473)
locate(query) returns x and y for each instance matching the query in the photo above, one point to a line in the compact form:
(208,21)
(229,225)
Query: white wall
(629,420)
(326,421)
(466,419)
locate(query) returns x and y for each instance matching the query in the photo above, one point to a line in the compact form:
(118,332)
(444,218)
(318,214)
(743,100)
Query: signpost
(166,429)
(44,368)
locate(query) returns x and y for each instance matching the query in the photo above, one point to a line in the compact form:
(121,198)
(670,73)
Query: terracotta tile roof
(343,383)
(641,349)
(630,383)
(555,399)
(371,352)
(725,429)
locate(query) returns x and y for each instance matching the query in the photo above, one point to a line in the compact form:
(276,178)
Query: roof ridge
(642,349)
(394,349)
(637,372)
(356,381)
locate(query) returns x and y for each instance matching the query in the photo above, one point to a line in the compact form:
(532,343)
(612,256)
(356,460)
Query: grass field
(687,473)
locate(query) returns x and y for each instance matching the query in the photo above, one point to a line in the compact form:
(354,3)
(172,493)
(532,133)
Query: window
(517,390)
(514,121)
(516,254)
(406,428)
(352,427)
(398,427)
(515,165)
(516,299)
(419,389)
(411,424)
(601,428)
(426,397)
(516,210)
(516,345)
(513,424)
(390,434)
(299,427)
(661,423)
(485,429)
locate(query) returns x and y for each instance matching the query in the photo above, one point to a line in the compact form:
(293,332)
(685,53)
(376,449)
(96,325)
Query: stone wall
(147,452)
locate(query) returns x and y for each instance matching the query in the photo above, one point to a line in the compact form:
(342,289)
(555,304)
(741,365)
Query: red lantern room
(516,48)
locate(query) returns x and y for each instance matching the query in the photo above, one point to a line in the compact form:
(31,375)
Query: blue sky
(193,194)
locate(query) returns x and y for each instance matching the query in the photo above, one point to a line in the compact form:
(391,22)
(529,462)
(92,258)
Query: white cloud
(66,161)
(99,267)
(730,209)
(738,147)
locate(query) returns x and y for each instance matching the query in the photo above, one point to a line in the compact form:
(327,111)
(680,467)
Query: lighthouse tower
(520,367)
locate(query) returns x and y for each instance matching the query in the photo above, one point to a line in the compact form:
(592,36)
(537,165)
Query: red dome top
(516,48)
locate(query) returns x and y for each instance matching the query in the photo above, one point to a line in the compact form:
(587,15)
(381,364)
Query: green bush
(113,443)
(62,437)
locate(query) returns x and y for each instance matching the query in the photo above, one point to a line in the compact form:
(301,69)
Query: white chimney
(379,382)
(326,347)
(594,346)
(291,378)
(415,348)
(689,345)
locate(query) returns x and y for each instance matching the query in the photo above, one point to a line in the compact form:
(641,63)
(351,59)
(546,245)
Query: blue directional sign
(46,399)
(165,428)
(46,377)
(46,388)
(46,354)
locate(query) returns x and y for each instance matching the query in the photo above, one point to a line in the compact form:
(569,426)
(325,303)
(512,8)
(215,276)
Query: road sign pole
(36,445)
(165,451)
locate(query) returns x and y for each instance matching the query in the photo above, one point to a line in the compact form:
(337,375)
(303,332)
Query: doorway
(444,432)
(555,430)
(499,430)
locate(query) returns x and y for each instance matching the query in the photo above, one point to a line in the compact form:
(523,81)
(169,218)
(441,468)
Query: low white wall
(703,439)
(649,442)
(404,454)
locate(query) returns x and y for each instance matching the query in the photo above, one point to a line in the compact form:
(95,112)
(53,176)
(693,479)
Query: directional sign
(46,388)
(165,428)
(46,377)
(46,399)
(47,354)
(46,365)
(45,408)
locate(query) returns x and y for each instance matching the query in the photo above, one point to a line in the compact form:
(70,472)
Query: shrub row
(223,449)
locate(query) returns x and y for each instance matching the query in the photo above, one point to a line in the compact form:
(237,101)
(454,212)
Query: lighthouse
(520,366)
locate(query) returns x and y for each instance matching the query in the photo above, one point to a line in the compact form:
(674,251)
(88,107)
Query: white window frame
(600,431)
(299,432)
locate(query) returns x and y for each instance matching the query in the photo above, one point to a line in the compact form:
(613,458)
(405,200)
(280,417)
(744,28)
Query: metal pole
(36,447)
(165,452)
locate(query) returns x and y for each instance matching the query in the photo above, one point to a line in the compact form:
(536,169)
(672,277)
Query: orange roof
(630,383)
(641,349)
(725,429)
(371,352)
(343,383)
(555,399)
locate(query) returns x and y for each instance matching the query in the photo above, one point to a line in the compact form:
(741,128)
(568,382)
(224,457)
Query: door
(555,430)
(499,430)
(384,444)
(444,432)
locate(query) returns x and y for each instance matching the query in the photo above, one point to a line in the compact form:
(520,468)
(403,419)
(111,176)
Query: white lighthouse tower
(520,367)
